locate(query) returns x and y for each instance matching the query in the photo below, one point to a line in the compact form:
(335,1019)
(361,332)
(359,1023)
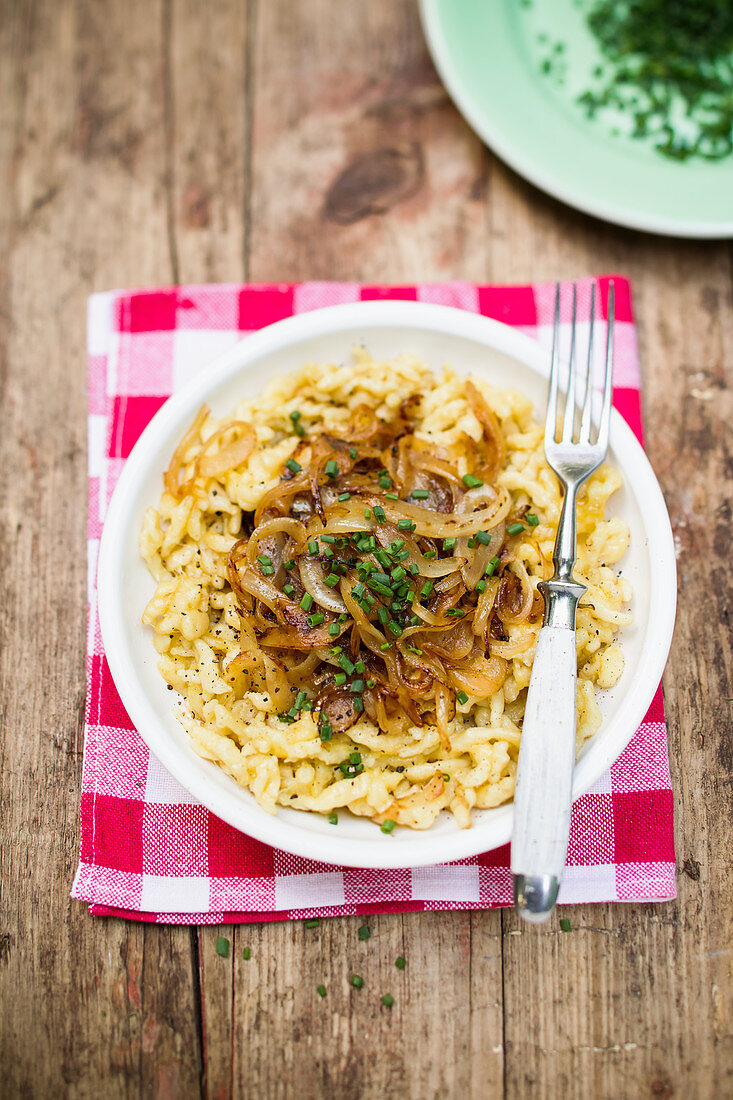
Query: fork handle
(543,793)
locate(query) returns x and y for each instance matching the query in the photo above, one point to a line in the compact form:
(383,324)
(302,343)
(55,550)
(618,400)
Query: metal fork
(547,750)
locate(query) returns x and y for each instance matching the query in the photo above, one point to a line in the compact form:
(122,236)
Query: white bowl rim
(191,772)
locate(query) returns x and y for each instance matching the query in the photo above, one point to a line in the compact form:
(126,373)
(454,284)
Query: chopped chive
(427,589)
(327,538)
(420,494)
(396,546)
(382,589)
(295,416)
(429,554)
(331,468)
(367,513)
(462,698)
(400,962)
(326,733)
(286,718)
(360,667)
(405,525)
(491,567)
(414,569)
(307,601)
(246,953)
(346,665)
(532,519)
(370,683)
(448,544)
(398,573)
(379,513)
(515,528)
(333,630)
(483,537)
(480,585)
(401,555)
(364,932)
(383,616)
(385,482)
(565,924)
(222,947)
(455,612)
(344,496)
(387,826)
(357,981)
(289,564)
(394,627)
(355,758)
(340,678)
(293,466)
(357,686)
(267,570)
(358,703)
(316,618)
(353,453)
(446,777)
(381,555)
(300,698)
(385,646)
(321,990)
(387,1000)
(391,496)
(333,818)
(471,481)
(327,552)
(288,589)
(313,546)
(264,559)
(312,923)
(471,542)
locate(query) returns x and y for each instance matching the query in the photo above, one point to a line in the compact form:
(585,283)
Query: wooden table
(158,141)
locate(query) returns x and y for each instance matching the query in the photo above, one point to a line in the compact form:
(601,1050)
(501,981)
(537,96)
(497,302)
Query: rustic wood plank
(85,1009)
(209,138)
(361,167)
(349,1041)
(207,80)
(361,172)
(634,1001)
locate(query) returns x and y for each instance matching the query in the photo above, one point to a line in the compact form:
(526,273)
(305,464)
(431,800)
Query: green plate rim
(516,153)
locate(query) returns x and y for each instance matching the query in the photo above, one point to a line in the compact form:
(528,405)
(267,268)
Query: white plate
(440,335)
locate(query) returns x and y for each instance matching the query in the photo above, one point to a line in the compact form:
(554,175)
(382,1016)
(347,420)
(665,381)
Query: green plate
(490,55)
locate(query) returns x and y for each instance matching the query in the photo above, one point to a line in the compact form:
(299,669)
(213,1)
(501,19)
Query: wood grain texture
(150,142)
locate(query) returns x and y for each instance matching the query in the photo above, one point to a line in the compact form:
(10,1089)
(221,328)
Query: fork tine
(551,417)
(605,421)
(569,418)
(584,436)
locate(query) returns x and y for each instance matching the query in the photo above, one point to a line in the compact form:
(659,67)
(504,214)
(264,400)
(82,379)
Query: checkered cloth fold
(149,851)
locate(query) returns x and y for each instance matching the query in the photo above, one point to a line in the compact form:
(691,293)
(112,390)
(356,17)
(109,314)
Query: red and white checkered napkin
(151,852)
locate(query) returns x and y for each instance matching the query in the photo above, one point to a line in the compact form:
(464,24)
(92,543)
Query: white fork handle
(545,775)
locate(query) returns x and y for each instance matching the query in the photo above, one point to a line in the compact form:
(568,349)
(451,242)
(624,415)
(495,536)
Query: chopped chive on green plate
(516,69)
